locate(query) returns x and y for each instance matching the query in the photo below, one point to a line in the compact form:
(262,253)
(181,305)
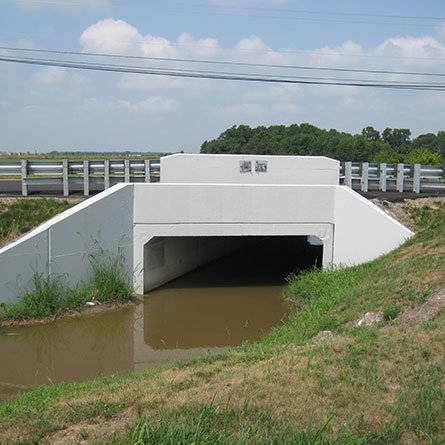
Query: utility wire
(219,62)
(189,4)
(263,75)
(304,11)
(219,76)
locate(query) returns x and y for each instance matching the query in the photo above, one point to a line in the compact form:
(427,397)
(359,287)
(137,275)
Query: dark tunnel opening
(255,261)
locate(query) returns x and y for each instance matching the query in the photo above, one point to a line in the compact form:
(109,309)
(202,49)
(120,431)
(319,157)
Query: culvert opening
(228,261)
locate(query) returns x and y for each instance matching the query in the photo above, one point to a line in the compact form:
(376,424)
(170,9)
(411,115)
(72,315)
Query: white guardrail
(413,178)
(64,173)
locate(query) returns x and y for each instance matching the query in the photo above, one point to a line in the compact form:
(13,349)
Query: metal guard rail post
(65,173)
(383,177)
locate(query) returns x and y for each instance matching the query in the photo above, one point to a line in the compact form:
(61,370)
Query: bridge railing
(105,173)
(416,178)
(65,173)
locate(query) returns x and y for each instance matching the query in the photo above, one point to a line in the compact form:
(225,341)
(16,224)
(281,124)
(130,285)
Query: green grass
(48,297)
(24,214)
(209,424)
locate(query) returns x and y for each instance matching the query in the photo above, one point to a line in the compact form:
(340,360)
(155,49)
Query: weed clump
(391,311)
(50,296)
(108,279)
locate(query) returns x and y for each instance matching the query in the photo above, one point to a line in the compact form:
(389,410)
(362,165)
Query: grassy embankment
(18,216)
(49,298)
(366,385)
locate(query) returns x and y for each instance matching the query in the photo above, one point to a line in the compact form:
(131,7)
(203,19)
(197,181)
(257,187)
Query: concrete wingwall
(363,232)
(60,247)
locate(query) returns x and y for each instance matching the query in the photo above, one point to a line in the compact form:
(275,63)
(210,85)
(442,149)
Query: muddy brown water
(206,311)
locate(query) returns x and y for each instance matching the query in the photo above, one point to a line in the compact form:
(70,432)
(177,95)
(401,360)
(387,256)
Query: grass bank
(18,216)
(381,385)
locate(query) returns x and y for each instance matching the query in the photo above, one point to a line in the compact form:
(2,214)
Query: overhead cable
(220,76)
(222,62)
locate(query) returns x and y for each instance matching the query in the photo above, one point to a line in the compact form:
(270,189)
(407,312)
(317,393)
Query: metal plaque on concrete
(245,166)
(261,166)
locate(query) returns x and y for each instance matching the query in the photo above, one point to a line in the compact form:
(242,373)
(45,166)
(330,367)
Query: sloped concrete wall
(363,232)
(61,246)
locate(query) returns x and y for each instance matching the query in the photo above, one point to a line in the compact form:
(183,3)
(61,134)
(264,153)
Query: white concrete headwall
(226,169)
(60,247)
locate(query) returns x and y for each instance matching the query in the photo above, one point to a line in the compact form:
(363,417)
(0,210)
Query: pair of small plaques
(246,166)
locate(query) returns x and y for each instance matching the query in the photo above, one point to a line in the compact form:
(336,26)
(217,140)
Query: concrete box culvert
(287,196)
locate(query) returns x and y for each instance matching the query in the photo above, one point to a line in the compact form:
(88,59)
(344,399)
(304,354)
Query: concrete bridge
(204,207)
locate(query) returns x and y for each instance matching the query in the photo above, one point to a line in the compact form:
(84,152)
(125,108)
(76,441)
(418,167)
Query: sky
(45,108)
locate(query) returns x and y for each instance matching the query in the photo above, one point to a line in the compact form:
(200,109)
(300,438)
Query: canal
(234,299)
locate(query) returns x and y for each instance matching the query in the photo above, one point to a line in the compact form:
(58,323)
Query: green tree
(397,138)
(371,134)
(423,156)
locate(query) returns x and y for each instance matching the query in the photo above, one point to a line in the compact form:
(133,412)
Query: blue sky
(54,108)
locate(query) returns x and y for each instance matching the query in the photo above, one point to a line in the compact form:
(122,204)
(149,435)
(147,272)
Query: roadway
(13,187)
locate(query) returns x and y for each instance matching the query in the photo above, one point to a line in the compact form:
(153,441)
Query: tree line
(390,146)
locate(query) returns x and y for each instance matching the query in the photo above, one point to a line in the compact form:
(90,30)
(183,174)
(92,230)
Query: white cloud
(411,48)
(4,103)
(201,48)
(112,36)
(252,43)
(50,75)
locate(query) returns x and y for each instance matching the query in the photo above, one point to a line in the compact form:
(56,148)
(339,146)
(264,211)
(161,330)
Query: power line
(305,11)
(219,62)
(250,8)
(219,76)
(271,16)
